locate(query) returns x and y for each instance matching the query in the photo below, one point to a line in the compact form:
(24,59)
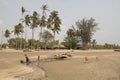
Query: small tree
(47,37)
(7,34)
(17,30)
(94,43)
(71,41)
(52,43)
(86,27)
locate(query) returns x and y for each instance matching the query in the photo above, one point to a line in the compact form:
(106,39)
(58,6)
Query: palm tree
(17,30)
(23,11)
(7,34)
(26,21)
(55,22)
(44,8)
(34,23)
(43,21)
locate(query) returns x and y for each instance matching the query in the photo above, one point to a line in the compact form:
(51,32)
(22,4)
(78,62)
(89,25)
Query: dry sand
(105,67)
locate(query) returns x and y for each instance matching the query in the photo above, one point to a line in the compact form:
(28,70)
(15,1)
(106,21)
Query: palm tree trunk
(25,38)
(16,44)
(1,39)
(54,35)
(85,45)
(32,44)
(40,37)
(21,45)
(21,41)
(45,46)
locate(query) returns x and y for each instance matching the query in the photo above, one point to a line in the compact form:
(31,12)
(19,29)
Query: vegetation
(7,33)
(48,24)
(47,37)
(15,43)
(86,28)
(83,33)
(54,22)
(71,41)
(77,37)
(107,46)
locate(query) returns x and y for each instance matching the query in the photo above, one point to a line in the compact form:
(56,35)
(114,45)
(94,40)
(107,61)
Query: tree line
(78,36)
(49,27)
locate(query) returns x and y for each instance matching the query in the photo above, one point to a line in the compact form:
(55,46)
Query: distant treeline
(107,46)
(78,36)
(16,44)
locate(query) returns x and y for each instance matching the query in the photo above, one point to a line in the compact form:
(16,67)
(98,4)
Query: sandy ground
(100,65)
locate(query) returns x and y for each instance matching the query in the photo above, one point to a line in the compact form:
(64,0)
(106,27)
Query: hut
(60,46)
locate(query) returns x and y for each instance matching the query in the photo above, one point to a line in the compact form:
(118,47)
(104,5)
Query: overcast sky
(105,12)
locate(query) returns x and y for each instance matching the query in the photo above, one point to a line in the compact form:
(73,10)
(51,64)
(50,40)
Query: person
(27,59)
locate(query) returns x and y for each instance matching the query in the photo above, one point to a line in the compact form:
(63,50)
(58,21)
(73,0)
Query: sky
(105,12)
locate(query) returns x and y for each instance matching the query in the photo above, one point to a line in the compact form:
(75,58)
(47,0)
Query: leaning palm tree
(55,22)
(27,23)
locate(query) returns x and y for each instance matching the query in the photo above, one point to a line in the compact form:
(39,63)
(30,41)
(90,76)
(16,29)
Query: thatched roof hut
(60,46)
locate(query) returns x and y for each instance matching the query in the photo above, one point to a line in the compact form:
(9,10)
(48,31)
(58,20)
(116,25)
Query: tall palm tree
(34,24)
(26,21)
(44,9)
(42,22)
(23,11)
(55,22)
(27,24)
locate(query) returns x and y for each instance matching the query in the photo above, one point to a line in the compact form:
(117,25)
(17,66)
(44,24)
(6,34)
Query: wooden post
(38,58)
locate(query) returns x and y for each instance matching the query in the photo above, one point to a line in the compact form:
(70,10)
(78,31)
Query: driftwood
(117,50)
(27,50)
(62,56)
